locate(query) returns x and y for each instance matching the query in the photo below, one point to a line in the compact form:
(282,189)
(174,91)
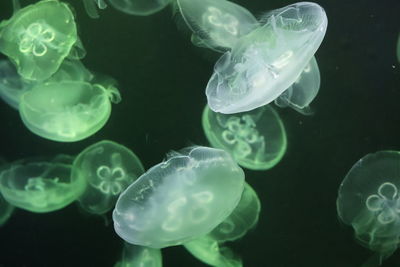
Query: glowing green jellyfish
(40,186)
(38,37)
(108,169)
(369,201)
(138,256)
(91,7)
(243,218)
(211,252)
(180,199)
(67,111)
(256,139)
(6,210)
(139,7)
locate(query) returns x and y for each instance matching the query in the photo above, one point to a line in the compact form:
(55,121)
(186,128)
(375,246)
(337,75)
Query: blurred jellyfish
(108,169)
(211,252)
(180,199)
(138,256)
(67,111)
(139,7)
(39,37)
(256,139)
(40,186)
(369,201)
(265,62)
(243,218)
(6,210)
(91,7)
(303,91)
(216,24)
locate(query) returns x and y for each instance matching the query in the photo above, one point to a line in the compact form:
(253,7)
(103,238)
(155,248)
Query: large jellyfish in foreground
(67,111)
(138,256)
(40,186)
(216,24)
(303,91)
(108,169)
(180,199)
(369,201)
(265,62)
(39,37)
(256,139)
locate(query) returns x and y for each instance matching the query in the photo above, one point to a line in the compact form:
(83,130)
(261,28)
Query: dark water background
(162,79)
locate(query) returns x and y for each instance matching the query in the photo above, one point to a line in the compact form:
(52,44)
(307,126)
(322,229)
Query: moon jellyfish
(180,199)
(91,7)
(216,24)
(108,169)
(38,37)
(256,139)
(40,186)
(265,62)
(369,201)
(138,256)
(243,218)
(67,111)
(139,7)
(303,91)
(211,252)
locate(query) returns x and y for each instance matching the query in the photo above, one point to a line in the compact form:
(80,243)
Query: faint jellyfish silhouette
(369,201)
(138,256)
(139,7)
(108,169)
(180,199)
(256,139)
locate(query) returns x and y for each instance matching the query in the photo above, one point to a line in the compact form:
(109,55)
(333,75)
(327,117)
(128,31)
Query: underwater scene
(150,133)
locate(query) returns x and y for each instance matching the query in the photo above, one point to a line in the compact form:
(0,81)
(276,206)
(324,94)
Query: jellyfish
(369,201)
(6,210)
(38,37)
(211,252)
(265,62)
(303,91)
(67,111)
(138,256)
(243,218)
(139,7)
(180,199)
(217,24)
(40,186)
(256,139)
(91,7)
(108,169)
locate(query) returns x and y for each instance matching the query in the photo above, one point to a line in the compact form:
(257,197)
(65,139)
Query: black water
(162,80)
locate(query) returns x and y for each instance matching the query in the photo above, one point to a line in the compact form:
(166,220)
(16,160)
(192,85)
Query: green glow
(243,218)
(91,7)
(179,199)
(38,37)
(369,201)
(209,251)
(41,186)
(139,7)
(6,210)
(108,168)
(138,256)
(256,139)
(66,111)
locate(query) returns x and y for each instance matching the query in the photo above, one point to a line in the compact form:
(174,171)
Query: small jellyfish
(40,186)
(369,201)
(138,256)
(256,139)
(211,252)
(217,24)
(67,111)
(39,37)
(243,218)
(180,199)
(265,62)
(303,91)
(91,7)
(108,169)
(139,7)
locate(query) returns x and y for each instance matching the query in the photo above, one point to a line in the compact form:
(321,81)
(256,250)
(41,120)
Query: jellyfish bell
(265,62)
(369,201)
(139,7)
(217,25)
(38,37)
(303,91)
(180,199)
